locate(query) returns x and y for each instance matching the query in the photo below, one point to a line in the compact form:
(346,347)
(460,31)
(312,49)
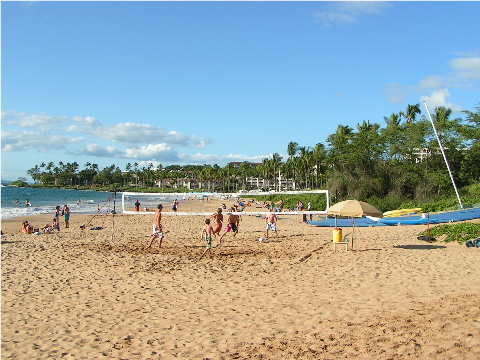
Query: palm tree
(244,171)
(319,156)
(228,172)
(304,160)
(292,149)
(410,114)
(339,146)
(136,172)
(266,171)
(275,168)
(34,173)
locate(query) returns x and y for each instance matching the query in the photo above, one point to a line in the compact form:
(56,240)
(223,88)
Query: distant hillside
(5,182)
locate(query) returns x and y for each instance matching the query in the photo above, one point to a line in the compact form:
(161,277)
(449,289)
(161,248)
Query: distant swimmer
(27,203)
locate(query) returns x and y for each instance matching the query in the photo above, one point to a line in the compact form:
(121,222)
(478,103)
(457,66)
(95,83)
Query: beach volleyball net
(149,201)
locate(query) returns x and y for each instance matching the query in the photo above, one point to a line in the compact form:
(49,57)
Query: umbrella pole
(353,230)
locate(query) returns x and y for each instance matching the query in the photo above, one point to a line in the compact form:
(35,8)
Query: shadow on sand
(420,247)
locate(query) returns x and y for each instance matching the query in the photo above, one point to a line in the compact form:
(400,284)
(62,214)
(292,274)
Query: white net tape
(149,201)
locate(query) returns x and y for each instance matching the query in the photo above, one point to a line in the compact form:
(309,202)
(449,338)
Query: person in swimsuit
(233,221)
(157,230)
(271,221)
(27,228)
(207,232)
(218,216)
(66,212)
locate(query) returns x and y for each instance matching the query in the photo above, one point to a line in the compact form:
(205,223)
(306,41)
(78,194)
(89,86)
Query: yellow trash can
(337,235)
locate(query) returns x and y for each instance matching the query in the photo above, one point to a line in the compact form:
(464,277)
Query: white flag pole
(444,156)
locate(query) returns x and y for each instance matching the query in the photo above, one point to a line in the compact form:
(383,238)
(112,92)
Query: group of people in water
(27,202)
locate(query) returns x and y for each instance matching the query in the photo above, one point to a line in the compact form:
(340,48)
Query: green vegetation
(455,232)
(21,182)
(392,167)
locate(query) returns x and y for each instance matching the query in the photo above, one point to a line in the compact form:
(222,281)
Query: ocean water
(44,201)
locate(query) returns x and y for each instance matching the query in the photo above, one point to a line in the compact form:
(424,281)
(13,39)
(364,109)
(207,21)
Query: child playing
(207,230)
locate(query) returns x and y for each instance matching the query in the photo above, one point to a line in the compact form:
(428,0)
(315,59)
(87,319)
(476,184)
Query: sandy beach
(101,294)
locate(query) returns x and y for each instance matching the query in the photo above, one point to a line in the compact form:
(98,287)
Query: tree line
(399,160)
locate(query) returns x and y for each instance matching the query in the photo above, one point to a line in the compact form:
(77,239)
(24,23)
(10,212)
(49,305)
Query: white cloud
(439,98)
(133,133)
(433,82)
(88,120)
(346,12)
(466,72)
(157,152)
(25,140)
(34,121)
(466,68)
(99,151)
(142,141)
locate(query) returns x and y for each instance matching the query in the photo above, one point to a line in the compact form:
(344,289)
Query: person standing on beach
(233,223)
(157,227)
(66,212)
(300,209)
(271,224)
(218,216)
(56,218)
(137,205)
(207,232)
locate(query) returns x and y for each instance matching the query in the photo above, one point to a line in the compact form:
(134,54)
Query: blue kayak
(437,218)
(405,221)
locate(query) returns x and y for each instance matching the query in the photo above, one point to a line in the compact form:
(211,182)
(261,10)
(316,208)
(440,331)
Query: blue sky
(215,82)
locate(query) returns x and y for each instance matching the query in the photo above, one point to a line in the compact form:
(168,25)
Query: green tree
(292,149)
(411,112)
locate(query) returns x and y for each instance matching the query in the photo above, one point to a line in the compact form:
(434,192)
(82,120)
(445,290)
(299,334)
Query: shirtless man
(218,216)
(207,231)
(271,221)
(232,224)
(157,231)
